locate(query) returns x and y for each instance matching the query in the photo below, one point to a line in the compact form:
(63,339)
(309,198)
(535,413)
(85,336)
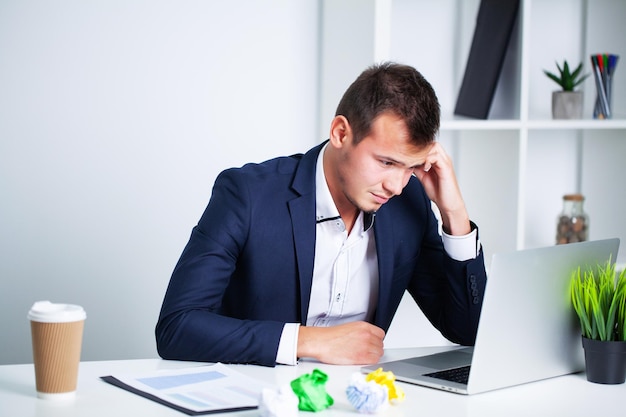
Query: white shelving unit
(515,166)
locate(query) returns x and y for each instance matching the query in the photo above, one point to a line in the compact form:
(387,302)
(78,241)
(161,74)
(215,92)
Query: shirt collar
(325,208)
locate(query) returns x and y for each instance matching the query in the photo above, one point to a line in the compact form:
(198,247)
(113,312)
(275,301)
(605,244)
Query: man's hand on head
(439,180)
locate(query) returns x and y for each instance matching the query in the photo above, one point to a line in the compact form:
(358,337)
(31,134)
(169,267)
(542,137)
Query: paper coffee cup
(57,333)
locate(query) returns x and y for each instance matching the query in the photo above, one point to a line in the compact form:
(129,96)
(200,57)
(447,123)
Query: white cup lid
(47,312)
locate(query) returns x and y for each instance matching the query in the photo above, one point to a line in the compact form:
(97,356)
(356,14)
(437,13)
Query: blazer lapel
(382,231)
(302,210)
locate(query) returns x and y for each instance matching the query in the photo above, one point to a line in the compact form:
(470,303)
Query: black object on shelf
(494,25)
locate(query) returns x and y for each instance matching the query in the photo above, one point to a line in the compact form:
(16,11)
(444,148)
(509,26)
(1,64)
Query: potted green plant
(599,300)
(567,103)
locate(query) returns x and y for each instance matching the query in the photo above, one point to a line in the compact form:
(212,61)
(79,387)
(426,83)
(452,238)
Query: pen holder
(603,70)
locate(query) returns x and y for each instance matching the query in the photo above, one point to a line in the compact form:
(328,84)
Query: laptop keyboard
(460,375)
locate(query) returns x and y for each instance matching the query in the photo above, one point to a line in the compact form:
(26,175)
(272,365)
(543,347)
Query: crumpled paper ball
(311,391)
(367,397)
(280,402)
(387,379)
(373,392)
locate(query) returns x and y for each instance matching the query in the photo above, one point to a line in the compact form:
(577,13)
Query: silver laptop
(527,329)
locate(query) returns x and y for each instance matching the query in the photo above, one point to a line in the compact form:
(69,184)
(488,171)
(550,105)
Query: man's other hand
(356,343)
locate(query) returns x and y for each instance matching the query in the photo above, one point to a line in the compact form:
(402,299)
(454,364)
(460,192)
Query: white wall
(115,118)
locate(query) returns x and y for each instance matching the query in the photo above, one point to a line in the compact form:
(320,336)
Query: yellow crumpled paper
(388,379)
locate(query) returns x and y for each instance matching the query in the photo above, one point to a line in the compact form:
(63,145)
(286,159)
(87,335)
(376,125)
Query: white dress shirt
(345,270)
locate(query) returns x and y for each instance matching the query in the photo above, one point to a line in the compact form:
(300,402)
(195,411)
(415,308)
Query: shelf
(473,124)
(545,124)
(583,124)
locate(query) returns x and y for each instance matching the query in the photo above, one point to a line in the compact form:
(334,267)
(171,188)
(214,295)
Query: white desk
(568,396)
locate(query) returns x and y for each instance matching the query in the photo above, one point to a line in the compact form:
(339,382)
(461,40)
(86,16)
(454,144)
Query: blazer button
(475,300)
(473,278)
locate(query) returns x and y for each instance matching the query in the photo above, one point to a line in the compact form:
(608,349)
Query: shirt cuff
(288,345)
(462,248)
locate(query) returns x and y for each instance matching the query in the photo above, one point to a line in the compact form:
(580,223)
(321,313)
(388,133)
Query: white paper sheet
(197,390)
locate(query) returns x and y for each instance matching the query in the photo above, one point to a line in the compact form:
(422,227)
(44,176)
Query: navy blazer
(248,266)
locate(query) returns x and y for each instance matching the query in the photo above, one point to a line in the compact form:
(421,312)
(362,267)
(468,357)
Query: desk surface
(569,395)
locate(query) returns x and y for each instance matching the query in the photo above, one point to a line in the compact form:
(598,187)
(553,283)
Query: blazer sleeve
(192,325)
(449,292)
(412,258)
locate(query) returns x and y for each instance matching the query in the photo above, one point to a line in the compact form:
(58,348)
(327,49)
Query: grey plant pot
(567,104)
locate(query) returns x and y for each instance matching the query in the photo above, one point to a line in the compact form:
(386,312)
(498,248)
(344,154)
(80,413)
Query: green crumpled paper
(311,391)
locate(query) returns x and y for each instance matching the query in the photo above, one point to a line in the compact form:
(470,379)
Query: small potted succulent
(599,299)
(567,103)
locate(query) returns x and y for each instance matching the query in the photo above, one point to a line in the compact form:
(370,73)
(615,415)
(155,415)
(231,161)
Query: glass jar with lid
(573,222)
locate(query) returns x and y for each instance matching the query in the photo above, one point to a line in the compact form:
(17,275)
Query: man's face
(379,166)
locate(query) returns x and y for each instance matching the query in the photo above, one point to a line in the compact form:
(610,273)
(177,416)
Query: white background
(115,118)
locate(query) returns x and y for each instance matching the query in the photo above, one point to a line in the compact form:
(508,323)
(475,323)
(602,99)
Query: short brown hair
(395,88)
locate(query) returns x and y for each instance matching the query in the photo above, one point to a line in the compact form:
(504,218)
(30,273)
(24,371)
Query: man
(310,255)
